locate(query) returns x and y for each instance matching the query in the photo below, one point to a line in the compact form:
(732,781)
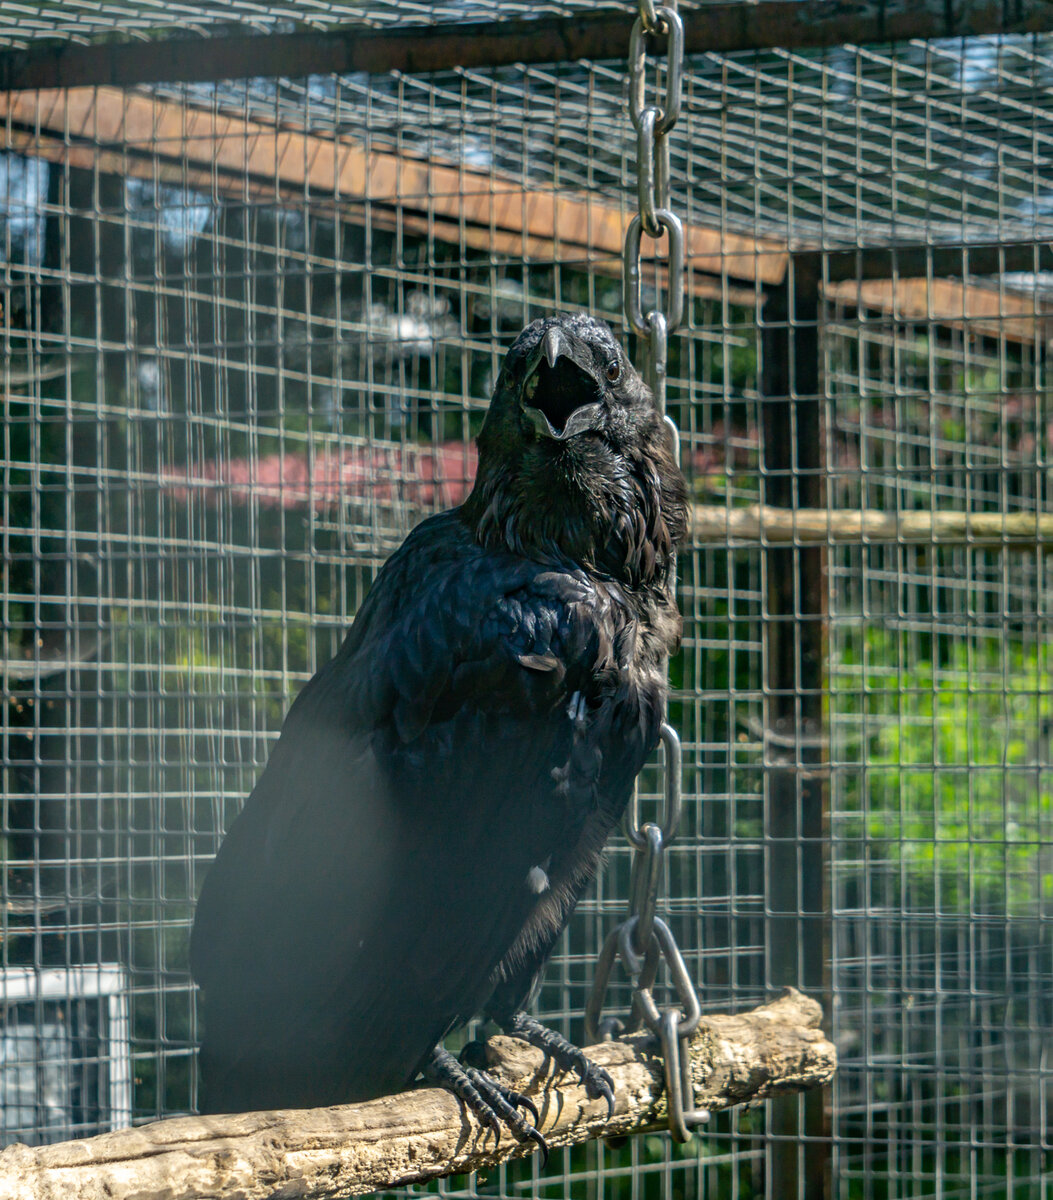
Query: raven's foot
(564,1054)
(491,1101)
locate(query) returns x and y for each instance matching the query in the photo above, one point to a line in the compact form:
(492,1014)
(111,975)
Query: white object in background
(57,1025)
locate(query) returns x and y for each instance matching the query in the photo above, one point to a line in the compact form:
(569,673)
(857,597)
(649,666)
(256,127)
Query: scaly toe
(493,1104)
(568,1057)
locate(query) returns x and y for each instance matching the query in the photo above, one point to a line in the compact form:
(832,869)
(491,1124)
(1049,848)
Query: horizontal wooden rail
(715,524)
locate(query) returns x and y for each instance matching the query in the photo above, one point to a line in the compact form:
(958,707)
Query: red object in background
(430,476)
(434,476)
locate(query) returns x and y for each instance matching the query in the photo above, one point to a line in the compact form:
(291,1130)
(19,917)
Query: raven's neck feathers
(618,516)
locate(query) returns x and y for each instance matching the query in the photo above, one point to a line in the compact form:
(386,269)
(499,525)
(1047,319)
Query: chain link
(643,941)
(670,24)
(653,123)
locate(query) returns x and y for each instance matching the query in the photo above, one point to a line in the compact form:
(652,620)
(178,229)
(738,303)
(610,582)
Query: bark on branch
(359,1148)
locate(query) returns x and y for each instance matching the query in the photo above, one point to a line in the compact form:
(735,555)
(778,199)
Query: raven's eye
(614,370)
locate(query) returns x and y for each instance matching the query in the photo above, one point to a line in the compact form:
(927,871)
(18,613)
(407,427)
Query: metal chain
(644,941)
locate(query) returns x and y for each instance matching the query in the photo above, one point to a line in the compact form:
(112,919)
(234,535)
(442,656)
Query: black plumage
(442,789)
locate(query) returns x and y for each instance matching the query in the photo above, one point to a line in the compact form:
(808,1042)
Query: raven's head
(564,370)
(575,460)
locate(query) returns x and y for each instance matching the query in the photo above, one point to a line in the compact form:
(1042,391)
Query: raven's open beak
(561,395)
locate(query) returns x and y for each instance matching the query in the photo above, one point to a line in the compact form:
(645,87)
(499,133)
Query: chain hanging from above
(644,940)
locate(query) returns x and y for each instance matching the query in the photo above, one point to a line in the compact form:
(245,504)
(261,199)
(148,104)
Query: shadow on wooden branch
(420,1135)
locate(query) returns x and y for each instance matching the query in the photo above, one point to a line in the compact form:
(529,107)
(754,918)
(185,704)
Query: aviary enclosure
(259,264)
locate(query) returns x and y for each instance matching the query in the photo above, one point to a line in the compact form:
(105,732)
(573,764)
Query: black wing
(377,879)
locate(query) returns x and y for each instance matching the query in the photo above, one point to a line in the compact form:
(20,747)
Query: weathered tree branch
(420,1135)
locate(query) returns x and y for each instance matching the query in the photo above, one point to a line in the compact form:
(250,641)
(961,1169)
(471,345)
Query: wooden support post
(794,640)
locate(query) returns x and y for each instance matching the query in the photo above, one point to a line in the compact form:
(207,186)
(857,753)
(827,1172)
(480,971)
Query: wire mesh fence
(250,329)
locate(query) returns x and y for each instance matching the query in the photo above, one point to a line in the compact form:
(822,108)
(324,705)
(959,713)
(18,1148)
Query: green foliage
(954,790)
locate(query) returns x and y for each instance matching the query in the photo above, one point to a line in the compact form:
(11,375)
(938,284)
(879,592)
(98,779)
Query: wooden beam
(130,134)
(603,34)
(993,312)
(316,1154)
(1020,251)
(270,160)
(499,243)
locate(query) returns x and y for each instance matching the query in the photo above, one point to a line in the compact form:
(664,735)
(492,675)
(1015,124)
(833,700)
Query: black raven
(442,789)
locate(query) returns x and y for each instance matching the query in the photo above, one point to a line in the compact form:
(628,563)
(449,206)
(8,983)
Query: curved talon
(598,1082)
(535,1135)
(518,1100)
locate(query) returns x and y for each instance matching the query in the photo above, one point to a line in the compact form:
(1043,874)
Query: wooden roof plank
(213,142)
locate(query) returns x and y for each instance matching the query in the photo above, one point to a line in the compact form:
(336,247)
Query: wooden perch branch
(420,1135)
(714,524)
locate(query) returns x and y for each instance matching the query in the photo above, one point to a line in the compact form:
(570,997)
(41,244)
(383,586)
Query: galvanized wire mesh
(249,333)
(22,24)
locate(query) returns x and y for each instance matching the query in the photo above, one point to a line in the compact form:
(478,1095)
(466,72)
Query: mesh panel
(84,20)
(250,331)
